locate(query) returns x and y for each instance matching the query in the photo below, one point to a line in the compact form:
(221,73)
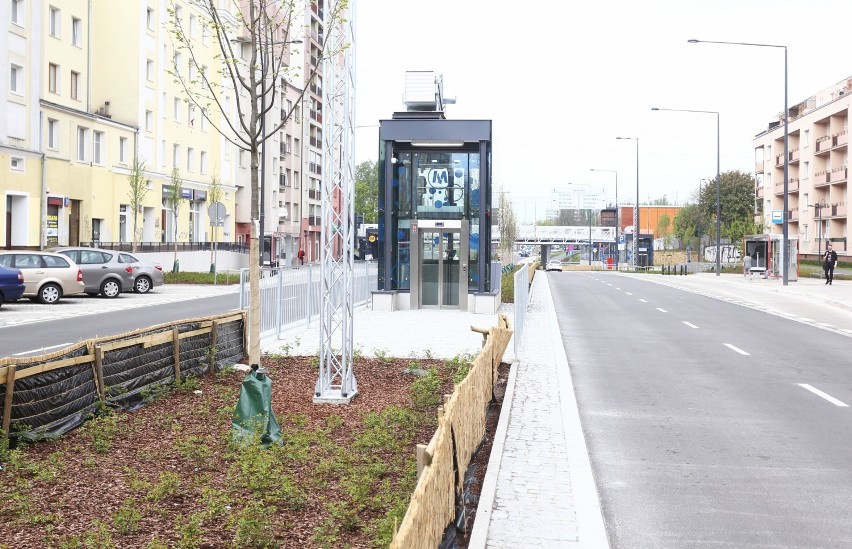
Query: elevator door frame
(440,226)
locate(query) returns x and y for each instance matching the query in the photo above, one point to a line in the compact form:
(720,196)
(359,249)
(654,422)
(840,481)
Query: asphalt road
(28,328)
(708,424)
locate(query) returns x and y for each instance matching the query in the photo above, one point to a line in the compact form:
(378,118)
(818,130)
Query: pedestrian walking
(829,261)
(746,266)
(301,256)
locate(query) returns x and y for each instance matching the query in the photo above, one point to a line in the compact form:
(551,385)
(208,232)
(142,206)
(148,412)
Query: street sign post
(216,211)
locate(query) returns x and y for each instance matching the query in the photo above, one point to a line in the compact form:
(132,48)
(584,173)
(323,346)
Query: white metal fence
(522,298)
(290,296)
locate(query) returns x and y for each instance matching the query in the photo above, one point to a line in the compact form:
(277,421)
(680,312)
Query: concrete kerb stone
(479,534)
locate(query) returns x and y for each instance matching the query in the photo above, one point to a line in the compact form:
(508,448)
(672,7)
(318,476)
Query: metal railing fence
(522,298)
(291,296)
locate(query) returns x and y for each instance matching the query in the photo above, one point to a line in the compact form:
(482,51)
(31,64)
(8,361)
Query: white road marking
(617,288)
(642,300)
(737,349)
(628,293)
(662,310)
(42,349)
(690,324)
(819,393)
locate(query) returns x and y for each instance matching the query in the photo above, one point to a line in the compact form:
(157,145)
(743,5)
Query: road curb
(479,533)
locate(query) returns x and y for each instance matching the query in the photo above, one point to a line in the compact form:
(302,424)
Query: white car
(554,265)
(47,276)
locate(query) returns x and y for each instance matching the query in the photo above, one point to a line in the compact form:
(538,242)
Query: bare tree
(137,194)
(175,200)
(508,226)
(250,39)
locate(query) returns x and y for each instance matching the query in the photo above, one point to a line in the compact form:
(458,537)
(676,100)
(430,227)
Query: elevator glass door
(439,284)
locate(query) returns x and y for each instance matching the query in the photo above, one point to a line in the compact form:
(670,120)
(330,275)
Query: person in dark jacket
(829,261)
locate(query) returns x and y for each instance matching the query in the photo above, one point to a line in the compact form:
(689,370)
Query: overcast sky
(561,79)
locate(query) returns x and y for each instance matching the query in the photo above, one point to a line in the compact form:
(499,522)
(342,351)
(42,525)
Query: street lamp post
(718,187)
(636,209)
(617,209)
(785,268)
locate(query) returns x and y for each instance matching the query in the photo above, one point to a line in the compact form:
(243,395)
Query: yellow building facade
(91,89)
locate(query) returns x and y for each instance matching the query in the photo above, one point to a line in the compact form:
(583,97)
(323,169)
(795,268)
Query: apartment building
(818,159)
(312,133)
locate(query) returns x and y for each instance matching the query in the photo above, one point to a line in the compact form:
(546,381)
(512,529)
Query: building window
(82,139)
(177,109)
(241,158)
(149,121)
(149,70)
(18,12)
(806,138)
(99,147)
(205,35)
(16,80)
(203,120)
(163,102)
(149,19)
(189,154)
(52,133)
(175,155)
(54,19)
(122,150)
(76,31)
(163,153)
(192,26)
(202,162)
(190,115)
(75,79)
(17,164)
(53,78)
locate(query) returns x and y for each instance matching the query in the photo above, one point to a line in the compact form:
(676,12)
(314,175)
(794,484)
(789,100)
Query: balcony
(316,90)
(840,139)
(758,167)
(794,185)
(793,155)
(794,216)
(759,192)
(838,175)
(314,220)
(315,168)
(317,115)
(823,144)
(316,142)
(822,178)
(315,194)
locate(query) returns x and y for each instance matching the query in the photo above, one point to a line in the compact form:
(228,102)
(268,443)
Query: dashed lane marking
(827,397)
(690,324)
(737,349)
(662,310)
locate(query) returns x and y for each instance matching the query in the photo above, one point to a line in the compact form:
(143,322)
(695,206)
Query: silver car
(146,275)
(105,272)
(47,276)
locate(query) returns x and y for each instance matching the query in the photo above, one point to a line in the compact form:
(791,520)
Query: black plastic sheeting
(52,403)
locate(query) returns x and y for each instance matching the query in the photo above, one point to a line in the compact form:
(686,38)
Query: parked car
(11,285)
(146,275)
(554,265)
(47,276)
(105,272)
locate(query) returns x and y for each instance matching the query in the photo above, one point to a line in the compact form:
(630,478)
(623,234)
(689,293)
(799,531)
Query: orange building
(649,219)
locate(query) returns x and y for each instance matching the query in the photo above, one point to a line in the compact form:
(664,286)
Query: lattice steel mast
(336,382)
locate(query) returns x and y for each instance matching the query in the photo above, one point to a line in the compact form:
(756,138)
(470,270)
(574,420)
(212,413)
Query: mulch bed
(67,493)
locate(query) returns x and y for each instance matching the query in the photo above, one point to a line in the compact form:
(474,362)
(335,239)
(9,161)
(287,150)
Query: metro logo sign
(438,177)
